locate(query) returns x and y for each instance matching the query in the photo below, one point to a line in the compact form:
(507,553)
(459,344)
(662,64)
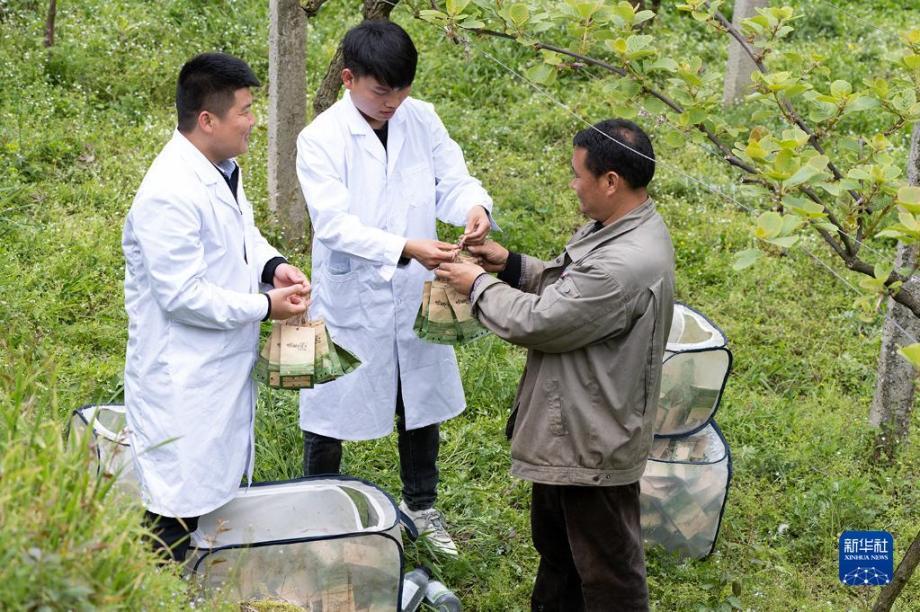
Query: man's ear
(205,122)
(612,182)
(348,78)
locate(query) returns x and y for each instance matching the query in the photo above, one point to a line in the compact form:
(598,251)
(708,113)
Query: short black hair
(618,145)
(383,50)
(208,82)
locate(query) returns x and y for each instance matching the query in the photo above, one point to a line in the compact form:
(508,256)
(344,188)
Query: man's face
(593,191)
(377,102)
(230,133)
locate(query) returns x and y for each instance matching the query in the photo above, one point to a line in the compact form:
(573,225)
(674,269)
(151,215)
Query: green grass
(80,124)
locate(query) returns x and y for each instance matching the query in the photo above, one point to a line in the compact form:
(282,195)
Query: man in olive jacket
(595,321)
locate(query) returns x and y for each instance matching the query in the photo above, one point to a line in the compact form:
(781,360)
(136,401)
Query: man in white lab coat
(377,169)
(194,264)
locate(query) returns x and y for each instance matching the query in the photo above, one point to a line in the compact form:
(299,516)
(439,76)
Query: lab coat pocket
(195,354)
(340,294)
(418,185)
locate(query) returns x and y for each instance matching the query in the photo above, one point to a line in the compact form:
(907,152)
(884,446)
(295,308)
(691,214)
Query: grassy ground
(79,125)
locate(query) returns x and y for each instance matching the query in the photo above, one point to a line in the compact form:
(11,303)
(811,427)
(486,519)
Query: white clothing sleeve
(326,194)
(456,191)
(168,229)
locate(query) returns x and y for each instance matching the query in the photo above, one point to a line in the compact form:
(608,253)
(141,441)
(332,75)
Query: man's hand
(289,301)
(430,253)
(477,227)
(459,276)
(287,275)
(493,256)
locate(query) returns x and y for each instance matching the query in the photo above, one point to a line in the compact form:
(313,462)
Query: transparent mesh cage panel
(690,330)
(322,543)
(307,508)
(355,573)
(683,492)
(102,430)
(691,386)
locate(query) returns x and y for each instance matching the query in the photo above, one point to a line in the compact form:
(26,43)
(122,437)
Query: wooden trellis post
(740,67)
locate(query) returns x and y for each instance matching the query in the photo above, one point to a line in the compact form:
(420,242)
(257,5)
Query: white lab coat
(193,328)
(364,203)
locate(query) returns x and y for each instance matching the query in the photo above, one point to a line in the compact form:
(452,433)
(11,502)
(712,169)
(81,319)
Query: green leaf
(675,139)
(519,13)
(769,225)
(432,16)
(586,9)
(862,103)
(911,353)
(802,175)
(665,63)
(807,209)
(654,105)
(910,222)
(455,7)
(909,195)
(618,46)
(790,224)
(543,74)
(841,89)
(643,16)
(472,24)
(785,242)
(746,259)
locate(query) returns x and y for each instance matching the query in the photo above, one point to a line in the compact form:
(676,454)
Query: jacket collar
(358,126)
(207,172)
(586,241)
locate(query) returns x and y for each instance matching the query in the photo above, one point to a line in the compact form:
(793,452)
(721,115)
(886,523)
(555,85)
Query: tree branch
(730,157)
(784,103)
(844,247)
(311,7)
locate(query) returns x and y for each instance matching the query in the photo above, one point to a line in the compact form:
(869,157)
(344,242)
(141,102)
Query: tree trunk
(287,114)
(905,569)
(895,383)
(328,91)
(49,23)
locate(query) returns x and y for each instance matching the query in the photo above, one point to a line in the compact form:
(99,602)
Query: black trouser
(590,545)
(418,458)
(173,535)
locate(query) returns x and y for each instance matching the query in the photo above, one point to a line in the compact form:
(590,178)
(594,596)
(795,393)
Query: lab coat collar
(207,172)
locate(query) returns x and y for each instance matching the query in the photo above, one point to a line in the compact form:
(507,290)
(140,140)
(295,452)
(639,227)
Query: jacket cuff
(482,283)
(268,272)
(512,272)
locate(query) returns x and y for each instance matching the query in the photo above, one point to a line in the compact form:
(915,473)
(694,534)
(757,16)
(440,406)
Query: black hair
(603,141)
(208,82)
(383,50)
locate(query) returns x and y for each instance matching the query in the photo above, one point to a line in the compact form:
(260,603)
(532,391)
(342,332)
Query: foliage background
(80,123)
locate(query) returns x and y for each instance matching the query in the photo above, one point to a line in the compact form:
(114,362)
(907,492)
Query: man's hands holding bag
(291,295)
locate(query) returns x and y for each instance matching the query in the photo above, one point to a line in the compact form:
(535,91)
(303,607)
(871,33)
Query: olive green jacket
(595,321)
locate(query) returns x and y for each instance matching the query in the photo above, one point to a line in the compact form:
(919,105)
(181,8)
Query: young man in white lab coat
(194,264)
(377,169)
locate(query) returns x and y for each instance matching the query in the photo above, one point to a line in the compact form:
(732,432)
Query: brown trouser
(590,545)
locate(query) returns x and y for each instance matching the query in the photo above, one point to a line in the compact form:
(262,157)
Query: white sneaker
(431,525)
